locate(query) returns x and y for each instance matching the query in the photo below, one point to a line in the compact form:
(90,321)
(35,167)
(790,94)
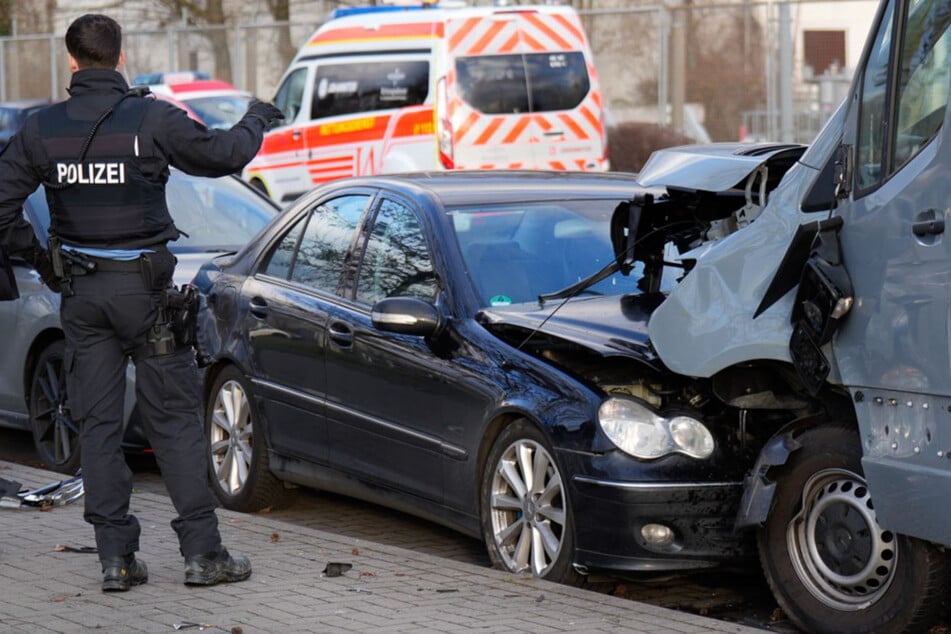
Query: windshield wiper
(581,285)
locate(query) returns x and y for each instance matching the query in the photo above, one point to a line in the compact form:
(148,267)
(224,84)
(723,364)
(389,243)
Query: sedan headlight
(643,433)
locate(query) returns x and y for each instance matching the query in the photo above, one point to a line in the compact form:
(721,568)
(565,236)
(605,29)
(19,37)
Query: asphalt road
(736,596)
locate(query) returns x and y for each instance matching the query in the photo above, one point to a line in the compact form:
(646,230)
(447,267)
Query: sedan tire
(526,514)
(830,565)
(237,446)
(55,433)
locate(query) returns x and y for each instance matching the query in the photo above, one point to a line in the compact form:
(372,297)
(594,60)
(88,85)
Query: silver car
(218,215)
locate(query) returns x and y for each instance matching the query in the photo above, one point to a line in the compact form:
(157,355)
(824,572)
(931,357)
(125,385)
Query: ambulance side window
(290,95)
(349,88)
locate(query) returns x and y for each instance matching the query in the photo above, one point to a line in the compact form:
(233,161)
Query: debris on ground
(336,569)
(60,548)
(45,497)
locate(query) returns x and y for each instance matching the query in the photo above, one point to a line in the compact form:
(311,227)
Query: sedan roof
(487,186)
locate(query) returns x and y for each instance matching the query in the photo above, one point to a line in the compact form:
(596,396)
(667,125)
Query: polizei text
(90,173)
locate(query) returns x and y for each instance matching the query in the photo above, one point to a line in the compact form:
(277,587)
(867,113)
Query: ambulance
(389,89)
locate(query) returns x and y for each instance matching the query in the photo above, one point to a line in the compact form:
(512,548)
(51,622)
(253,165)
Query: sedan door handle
(296,134)
(341,334)
(259,308)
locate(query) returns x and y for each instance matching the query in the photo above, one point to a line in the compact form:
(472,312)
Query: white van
(390,89)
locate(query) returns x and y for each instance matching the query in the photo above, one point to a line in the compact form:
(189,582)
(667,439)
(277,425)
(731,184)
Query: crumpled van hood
(715,167)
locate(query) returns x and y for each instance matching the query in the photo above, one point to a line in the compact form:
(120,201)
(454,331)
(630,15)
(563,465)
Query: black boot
(121,573)
(215,567)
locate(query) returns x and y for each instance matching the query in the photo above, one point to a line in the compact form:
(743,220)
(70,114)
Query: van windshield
(510,84)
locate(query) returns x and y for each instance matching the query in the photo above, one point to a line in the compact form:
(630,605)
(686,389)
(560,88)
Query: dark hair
(94,41)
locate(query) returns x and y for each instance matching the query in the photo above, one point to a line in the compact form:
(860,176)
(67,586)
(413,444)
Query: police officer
(103,156)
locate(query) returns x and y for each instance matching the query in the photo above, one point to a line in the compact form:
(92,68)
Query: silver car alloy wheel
(231,437)
(840,553)
(528,508)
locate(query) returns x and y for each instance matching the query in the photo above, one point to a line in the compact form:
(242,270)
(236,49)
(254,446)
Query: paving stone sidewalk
(44,588)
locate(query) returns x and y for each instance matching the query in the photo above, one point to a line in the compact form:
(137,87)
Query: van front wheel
(830,565)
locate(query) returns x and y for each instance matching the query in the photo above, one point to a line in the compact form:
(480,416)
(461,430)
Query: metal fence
(712,71)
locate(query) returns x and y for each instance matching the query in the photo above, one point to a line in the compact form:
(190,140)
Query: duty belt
(109,265)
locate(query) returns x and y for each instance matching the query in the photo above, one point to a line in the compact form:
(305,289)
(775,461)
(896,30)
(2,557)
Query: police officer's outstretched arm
(195,149)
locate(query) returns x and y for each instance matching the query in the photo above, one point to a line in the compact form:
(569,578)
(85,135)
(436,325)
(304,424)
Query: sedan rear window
(510,84)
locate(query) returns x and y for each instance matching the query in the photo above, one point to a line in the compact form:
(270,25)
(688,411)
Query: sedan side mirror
(406,316)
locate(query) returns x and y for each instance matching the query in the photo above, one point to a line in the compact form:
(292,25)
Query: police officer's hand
(44,266)
(268,113)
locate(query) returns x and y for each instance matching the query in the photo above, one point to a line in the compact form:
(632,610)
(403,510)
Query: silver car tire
(526,513)
(237,447)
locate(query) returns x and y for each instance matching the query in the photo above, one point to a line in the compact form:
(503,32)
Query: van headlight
(643,433)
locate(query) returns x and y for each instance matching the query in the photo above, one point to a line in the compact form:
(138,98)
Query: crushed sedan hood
(715,167)
(611,325)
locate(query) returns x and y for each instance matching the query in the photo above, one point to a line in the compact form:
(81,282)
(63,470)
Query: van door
(523,93)
(279,169)
(894,350)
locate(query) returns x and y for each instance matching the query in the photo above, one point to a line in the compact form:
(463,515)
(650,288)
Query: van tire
(825,556)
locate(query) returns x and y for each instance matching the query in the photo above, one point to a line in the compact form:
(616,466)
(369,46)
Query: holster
(175,324)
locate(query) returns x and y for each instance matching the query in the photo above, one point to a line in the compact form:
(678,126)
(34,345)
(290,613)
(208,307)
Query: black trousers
(106,319)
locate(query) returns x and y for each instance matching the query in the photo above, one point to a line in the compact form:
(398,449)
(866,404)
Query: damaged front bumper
(672,517)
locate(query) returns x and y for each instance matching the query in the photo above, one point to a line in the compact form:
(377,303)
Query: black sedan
(442,344)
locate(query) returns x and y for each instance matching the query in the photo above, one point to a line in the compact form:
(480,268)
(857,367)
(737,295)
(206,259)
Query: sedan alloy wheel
(231,438)
(526,515)
(237,447)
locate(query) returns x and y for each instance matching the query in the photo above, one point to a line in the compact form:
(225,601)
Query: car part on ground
(47,496)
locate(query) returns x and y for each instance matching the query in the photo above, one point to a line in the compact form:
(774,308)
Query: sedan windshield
(516,252)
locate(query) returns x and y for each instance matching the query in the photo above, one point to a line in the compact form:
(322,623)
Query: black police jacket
(166,136)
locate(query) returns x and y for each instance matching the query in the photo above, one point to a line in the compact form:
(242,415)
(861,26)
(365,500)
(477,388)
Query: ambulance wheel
(55,433)
(830,566)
